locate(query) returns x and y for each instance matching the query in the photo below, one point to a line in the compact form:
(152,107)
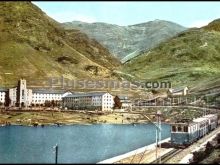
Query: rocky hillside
(126,42)
(192,58)
(34,46)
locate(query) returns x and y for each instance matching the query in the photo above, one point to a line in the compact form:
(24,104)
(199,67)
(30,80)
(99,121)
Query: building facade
(40,97)
(21,96)
(3,96)
(93,101)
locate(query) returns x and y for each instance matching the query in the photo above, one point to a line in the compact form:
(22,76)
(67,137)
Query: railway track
(167,156)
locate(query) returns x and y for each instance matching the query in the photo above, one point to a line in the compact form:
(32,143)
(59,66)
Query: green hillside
(34,46)
(192,58)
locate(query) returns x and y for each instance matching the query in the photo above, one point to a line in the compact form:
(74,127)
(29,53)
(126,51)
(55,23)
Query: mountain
(192,58)
(34,46)
(126,42)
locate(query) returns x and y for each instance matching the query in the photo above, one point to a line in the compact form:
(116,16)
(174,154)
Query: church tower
(22,93)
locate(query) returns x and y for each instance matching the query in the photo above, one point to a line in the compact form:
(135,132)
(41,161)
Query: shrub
(198,156)
(218,138)
(209,148)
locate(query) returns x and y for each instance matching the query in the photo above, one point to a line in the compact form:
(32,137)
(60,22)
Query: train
(184,133)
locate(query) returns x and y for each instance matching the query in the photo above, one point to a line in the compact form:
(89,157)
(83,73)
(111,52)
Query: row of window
(46,98)
(55,95)
(179,128)
(68,99)
(107,96)
(185,128)
(87,101)
(107,99)
(107,107)
(38,101)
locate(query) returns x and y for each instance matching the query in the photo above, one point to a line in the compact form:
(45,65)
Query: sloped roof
(43,91)
(86,94)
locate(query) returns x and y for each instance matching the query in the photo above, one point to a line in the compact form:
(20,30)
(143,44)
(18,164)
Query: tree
(118,103)
(218,138)
(53,103)
(209,148)
(7,101)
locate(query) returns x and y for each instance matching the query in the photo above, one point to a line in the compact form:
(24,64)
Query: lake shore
(54,116)
(42,118)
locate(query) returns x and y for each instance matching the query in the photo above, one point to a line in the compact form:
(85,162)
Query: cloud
(200,23)
(84,18)
(68,16)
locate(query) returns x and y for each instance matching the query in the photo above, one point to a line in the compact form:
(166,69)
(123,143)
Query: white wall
(41,98)
(107,102)
(12,95)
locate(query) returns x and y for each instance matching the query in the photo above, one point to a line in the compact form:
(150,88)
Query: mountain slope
(126,42)
(192,58)
(34,46)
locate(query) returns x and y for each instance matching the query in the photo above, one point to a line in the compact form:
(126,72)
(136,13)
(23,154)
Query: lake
(76,143)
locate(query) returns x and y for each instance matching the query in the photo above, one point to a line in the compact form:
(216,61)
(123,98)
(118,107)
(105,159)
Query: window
(174,128)
(185,129)
(179,129)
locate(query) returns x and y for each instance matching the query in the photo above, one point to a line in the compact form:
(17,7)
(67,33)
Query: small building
(177,92)
(90,101)
(122,102)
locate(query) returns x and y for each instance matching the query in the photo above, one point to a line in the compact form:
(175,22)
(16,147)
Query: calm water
(77,143)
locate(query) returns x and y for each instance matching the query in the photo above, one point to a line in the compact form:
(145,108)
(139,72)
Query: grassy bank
(57,117)
(39,117)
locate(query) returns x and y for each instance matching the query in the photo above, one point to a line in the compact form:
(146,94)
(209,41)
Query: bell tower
(22,93)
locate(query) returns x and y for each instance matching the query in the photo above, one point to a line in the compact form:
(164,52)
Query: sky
(123,13)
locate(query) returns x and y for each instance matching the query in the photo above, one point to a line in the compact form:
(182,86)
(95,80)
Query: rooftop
(86,94)
(200,119)
(3,90)
(177,89)
(41,91)
(210,115)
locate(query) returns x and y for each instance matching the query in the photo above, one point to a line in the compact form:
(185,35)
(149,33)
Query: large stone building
(96,101)
(20,96)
